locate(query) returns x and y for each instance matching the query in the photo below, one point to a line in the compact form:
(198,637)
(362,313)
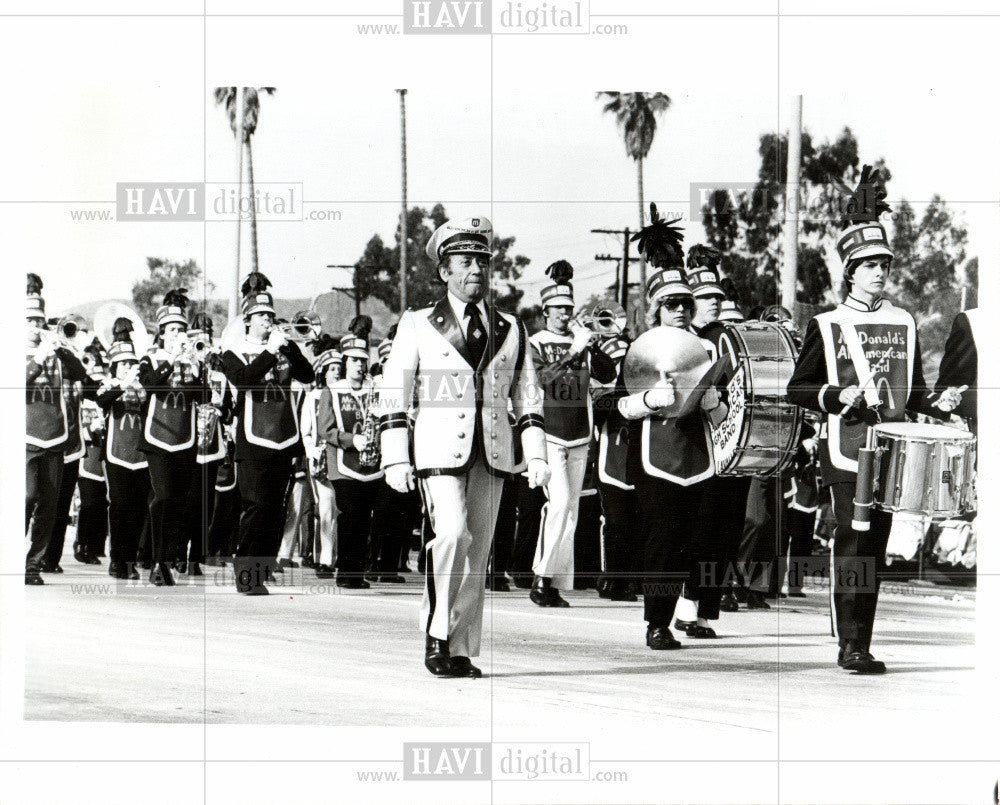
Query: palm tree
(227,97)
(635,113)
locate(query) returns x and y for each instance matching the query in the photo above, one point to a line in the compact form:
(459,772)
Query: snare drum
(924,469)
(760,433)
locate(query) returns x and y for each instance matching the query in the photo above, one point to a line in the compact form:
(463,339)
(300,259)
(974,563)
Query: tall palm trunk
(253,207)
(641,324)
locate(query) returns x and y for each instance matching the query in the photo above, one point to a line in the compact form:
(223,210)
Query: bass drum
(761,431)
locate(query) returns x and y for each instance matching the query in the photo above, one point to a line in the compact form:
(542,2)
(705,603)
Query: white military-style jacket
(460,411)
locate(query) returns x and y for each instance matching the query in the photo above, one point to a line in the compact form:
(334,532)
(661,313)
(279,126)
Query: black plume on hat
(560,271)
(866,202)
(361,326)
(121,330)
(176,298)
(661,243)
(729,289)
(326,342)
(255,283)
(391,333)
(700,255)
(202,321)
(34,284)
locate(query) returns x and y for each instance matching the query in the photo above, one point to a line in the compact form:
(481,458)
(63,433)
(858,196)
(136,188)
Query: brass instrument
(69,326)
(304,326)
(104,322)
(371,456)
(604,318)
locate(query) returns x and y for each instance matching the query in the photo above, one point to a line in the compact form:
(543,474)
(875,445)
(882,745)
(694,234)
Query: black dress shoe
(92,560)
(683,626)
(324,571)
(859,660)
(194,569)
(32,578)
(620,591)
(522,581)
(701,632)
(161,576)
(49,567)
(113,570)
(462,666)
(80,554)
(755,600)
(729,603)
(133,572)
(796,594)
(391,578)
(545,595)
(659,638)
(497,584)
(260,589)
(437,658)
(180,566)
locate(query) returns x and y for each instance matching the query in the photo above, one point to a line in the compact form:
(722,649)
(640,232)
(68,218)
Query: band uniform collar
(856,304)
(458,307)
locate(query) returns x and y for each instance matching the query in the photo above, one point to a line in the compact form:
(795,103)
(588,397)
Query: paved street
(310,654)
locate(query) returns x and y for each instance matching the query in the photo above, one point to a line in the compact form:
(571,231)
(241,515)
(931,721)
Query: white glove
(45,350)
(275,341)
(581,340)
(660,396)
(400,477)
(538,473)
(360,442)
(710,399)
(950,398)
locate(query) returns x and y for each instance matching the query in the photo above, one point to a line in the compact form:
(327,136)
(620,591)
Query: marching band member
(564,362)
(224,525)
(859,365)
(173,380)
(329,369)
(462,447)
(92,519)
(720,545)
(622,523)
(670,459)
(213,411)
(122,399)
(352,466)
(960,366)
(49,367)
(267,438)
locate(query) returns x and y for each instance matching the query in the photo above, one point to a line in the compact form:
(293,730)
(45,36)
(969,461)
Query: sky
(513,135)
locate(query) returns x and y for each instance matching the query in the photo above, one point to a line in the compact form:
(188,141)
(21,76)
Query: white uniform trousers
(463,512)
(326,508)
(294,525)
(554,550)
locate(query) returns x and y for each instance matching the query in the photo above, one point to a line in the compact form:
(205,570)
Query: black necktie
(475,337)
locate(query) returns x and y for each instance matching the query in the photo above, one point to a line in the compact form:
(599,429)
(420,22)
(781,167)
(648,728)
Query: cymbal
(667,352)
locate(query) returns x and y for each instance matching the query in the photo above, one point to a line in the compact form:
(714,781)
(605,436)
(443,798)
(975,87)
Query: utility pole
(352,294)
(402,217)
(789,274)
(234,295)
(621,282)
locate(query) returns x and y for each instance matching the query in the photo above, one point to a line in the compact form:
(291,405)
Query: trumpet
(305,326)
(603,318)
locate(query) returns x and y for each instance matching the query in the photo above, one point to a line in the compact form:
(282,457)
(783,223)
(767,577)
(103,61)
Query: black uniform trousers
(198,507)
(171,476)
(529,520)
(64,500)
(41,497)
(92,523)
(361,507)
(262,487)
(505,529)
(714,547)
(622,533)
(393,532)
(670,513)
(224,528)
(858,564)
(796,548)
(761,541)
(128,510)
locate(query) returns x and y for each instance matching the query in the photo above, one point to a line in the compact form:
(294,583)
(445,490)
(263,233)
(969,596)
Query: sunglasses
(675,302)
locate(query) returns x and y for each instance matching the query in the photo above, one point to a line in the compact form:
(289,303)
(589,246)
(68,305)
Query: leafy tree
(166,275)
(746,226)
(377,272)
(925,278)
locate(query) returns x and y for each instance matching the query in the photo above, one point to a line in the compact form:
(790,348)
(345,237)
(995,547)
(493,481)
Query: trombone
(305,326)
